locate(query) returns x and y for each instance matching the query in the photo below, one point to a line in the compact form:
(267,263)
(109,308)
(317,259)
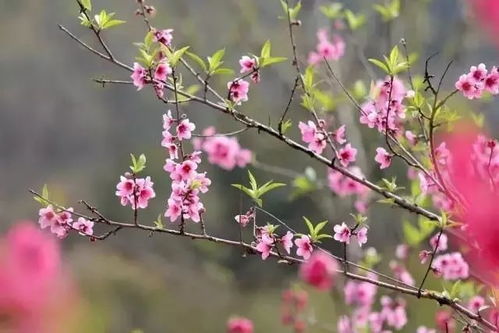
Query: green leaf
(177,55)
(380,64)
(252,180)
(84,20)
(87,4)
(265,51)
(286,125)
(198,60)
(272,60)
(354,21)
(269,186)
(215,60)
(320,226)
(45,196)
(308,78)
(159,223)
(310,226)
(293,13)
(223,71)
(332,11)
(112,23)
(138,164)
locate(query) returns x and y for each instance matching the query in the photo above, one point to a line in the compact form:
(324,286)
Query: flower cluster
(314,136)
(385,110)
(294,303)
(329,49)
(187,182)
(451,266)
(61,222)
(319,271)
(135,192)
(160,71)
(267,239)
(224,151)
(343,234)
(478,80)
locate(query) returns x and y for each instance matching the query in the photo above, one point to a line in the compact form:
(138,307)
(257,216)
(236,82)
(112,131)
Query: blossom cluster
(329,49)
(386,110)
(135,192)
(158,73)
(239,325)
(60,222)
(249,65)
(343,234)
(267,239)
(473,84)
(187,182)
(224,151)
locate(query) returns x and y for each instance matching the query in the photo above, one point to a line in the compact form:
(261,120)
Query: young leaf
(197,59)
(272,60)
(87,4)
(215,60)
(265,52)
(380,64)
(332,11)
(177,55)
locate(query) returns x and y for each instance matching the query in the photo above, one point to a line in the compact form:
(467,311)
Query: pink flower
(239,325)
(140,191)
(339,135)
(247,64)
(47,217)
(478,73)
(168,120)
(226,152)
(347,155)
(476,303)
(491,83)
(319,270)
(184,129)
(287,241)
(402,251)
(442,154)
(342,233)
(467,87)
(383,158)
(308,131)
(264,246)
(424,256)
(329,49)
(360,294)
(304,247)
(238,91)
(442,243)
(163,36)
(139,76)
(361,236)
(243,220)
(162,71)
(451,266)
(393,312)
(85,226)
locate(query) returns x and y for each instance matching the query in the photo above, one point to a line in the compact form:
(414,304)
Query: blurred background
(60,128)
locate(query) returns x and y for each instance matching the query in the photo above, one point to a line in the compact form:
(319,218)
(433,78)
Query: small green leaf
(308,78)
(252,180)
(215,60)
(286,125)
(138,164)
(112,23)
(333,11)
(44,196)
(223,71)
(380,64)
(354,21)
(159,223)
(265,51)
(272,60)
(310,226)
(198,60)
(87,4)
(177,55)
